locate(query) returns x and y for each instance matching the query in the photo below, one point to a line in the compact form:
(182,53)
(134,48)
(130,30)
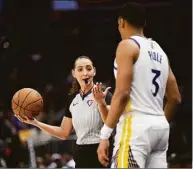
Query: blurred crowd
(22,145)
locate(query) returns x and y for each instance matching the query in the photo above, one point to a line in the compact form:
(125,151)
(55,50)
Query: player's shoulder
(126,42)
(128,45)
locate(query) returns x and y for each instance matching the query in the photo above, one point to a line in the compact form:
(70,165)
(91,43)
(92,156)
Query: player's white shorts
(141,141)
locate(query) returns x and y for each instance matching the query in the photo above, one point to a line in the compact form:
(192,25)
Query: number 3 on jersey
(154,82)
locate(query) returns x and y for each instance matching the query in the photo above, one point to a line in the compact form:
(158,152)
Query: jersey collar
(86,94)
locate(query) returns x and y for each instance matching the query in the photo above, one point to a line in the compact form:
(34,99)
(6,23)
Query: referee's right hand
(26,120)
(98,94)
(103,152)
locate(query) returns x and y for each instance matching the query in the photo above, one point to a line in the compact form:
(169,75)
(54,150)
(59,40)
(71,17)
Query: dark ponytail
(75,87)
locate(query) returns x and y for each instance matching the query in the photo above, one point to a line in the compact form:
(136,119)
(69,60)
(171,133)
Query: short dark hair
(134,14)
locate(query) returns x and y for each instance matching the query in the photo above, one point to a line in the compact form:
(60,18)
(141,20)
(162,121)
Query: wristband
(105,132)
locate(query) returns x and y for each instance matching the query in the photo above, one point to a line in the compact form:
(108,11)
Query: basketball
(27,102)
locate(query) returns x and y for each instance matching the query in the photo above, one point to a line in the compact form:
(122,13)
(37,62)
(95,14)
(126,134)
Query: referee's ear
(94,71)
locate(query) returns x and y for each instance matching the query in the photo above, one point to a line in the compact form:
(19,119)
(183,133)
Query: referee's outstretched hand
(103,152)
(98,94)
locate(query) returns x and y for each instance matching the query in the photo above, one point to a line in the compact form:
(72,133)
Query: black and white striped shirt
(86,117)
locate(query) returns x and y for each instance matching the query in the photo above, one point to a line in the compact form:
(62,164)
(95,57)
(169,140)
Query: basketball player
(143,77)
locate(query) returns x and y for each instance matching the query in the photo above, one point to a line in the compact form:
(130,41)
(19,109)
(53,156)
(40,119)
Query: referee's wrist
(102,103)
(106,132)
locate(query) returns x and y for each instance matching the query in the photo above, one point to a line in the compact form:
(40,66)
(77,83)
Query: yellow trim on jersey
(128,107)
(123,154)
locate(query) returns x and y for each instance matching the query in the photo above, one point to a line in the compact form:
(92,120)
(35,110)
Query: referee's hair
(134,14)
(75,85)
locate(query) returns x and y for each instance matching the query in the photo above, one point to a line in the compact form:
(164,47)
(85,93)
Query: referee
(86,110)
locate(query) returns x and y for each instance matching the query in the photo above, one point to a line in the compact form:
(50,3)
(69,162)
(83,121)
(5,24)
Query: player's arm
(61,132)
(173,96)
(127,52)
(103,109)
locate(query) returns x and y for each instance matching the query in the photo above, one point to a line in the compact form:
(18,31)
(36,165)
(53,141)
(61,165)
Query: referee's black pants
(86,156)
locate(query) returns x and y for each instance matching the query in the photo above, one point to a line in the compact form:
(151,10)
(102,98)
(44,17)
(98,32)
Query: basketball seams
(23,105)
(24,108)
(18,101)
(26,97)
(15,104)
(32,102)
(23,101)
(18,104)
(18,96)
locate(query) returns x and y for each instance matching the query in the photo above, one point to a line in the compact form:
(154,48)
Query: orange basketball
(27,102)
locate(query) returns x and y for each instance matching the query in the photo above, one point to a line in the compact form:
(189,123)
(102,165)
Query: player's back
(143,130)
(150,74)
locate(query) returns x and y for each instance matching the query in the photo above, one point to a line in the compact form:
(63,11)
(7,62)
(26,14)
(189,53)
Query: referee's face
(83,70)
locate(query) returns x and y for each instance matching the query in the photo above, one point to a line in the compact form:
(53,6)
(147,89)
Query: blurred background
(39,40)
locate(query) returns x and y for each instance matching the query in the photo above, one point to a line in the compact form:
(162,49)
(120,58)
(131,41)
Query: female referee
(86,110)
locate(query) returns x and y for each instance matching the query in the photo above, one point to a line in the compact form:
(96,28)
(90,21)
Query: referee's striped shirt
(86,117)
